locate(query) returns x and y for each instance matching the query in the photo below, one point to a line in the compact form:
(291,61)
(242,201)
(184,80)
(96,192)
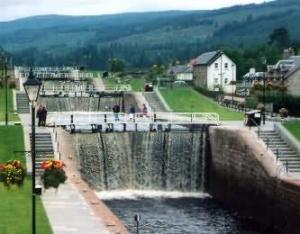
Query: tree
(280,37)
(116,65)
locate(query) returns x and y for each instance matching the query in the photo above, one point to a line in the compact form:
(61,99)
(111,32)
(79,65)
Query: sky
(13,9)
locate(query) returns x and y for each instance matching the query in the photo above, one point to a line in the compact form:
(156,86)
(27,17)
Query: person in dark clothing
(131,113)
(116,110)
(39,115)
(44,115)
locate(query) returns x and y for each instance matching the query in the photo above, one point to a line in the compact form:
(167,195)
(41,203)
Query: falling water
(143,160)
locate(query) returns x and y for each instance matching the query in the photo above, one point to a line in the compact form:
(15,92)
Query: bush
(251,102)
(12,84)
(284,113)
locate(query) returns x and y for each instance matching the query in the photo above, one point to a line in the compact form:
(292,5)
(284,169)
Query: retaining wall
(245,176)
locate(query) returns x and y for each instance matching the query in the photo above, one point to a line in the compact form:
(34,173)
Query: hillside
(142,39)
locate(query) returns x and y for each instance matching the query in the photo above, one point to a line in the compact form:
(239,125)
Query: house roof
(180,69)
(207,58)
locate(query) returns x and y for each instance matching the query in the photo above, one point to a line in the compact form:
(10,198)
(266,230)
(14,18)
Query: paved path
(67,210)
(99,84)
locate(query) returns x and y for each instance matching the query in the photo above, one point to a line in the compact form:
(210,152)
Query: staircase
(154,102)
(284,152)
(44,150)
(22,103)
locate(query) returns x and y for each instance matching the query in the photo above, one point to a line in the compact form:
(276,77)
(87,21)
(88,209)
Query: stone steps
(286,154)
(44,150)
(22,103)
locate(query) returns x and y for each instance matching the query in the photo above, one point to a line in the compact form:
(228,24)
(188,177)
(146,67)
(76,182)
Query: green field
(189,100)
(11,116)
(95,73)
(137,84)
(294,128)
(15,206)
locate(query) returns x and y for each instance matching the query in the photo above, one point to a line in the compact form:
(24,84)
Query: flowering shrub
(53,174)
(12,172)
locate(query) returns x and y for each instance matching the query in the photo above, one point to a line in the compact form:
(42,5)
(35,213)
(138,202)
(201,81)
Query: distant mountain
(142,39)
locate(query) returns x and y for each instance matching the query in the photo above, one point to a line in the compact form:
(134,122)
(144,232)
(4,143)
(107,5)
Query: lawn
(189,100)
(95,73)
(137,84)
(11,116)
(15,208)
(294,128)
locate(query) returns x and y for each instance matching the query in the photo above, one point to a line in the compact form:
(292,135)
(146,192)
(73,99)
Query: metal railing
(89,118)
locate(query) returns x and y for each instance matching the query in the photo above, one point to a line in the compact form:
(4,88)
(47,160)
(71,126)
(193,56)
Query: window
(216,80)
(216,65)
(226,65)
(226,80)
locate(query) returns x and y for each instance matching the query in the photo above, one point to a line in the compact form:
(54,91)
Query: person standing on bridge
(116,110)
(145,110)
(132,113)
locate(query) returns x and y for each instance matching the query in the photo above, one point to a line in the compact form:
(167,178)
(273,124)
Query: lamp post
(264,62)
(32,88)
(4,60)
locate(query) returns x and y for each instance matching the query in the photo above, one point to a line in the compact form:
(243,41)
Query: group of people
(132,112)
(41,114)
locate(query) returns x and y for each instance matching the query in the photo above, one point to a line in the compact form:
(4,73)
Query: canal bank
(245,175)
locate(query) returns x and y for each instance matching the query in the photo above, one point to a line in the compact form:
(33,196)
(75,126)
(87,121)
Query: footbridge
(109,122)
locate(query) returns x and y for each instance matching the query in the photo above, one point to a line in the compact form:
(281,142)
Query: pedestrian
(39,115)
(44,116)
(116,110)
(145,110)
(132,113)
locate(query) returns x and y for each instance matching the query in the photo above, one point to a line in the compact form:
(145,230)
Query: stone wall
(245,176)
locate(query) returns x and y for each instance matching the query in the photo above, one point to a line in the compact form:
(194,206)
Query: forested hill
(142,39)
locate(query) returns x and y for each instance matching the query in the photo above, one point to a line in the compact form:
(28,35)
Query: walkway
(67,210)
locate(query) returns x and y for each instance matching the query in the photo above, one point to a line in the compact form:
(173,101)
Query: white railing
(88,118)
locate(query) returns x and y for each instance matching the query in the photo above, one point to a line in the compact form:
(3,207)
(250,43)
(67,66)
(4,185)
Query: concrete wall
(245,176)
(294,83)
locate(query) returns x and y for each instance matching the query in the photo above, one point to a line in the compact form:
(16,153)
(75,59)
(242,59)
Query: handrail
(64,118)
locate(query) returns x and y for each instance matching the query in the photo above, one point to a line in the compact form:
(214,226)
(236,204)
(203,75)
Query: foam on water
(138,194)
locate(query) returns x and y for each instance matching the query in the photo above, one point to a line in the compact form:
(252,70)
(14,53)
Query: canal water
(175,213)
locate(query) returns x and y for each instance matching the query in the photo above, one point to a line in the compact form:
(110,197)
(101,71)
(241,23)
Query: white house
(182,72)
(214,70)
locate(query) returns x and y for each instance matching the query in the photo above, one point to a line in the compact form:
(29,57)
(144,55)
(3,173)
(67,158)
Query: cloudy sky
(13,9)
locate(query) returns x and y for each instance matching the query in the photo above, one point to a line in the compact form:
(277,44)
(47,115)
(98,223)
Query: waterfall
(165,161)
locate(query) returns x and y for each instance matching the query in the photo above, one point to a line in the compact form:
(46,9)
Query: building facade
(214,71)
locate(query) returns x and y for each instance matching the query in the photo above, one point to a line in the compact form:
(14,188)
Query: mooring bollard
(137,219)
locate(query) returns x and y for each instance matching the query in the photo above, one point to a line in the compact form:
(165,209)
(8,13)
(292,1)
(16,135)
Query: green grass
(15,206)
(11,116)
(95,73)
(189,100)
(137,84)
(294,128)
